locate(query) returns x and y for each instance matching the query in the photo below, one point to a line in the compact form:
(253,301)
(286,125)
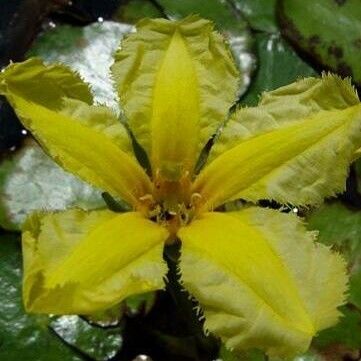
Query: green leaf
(327,30)
(135,10)
(218,11)
(88,50)
(253,355)
(22,336)
(347,332)
(308,356)
(311,355)
(278,65)
(110,317)
(98,343)
(228,21)
(23,190)
(140,303)
(261,14)
(355,287)
(340,227)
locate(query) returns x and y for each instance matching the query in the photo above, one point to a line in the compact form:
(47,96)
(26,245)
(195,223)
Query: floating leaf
(216,10)
(110,317)
(135,10)
(254,355)
(327,30)
(311,355)
(98,343)
(88,50)
(132,306)
(228,21)
(228,355)
(261,14)
(340,228)
(347,333)
(23,337)
(30,180)
(278,65)
(141,303)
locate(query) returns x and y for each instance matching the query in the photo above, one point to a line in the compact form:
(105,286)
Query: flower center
(171,205)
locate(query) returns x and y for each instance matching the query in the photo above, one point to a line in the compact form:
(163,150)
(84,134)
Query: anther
(196,199)
(148,198)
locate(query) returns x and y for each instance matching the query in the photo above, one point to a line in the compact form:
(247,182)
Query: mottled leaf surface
(88,50)
(278,65)
(133,11)
(340,228)
(98,343)
(347,332)
(329,31)
(30,180)
(261,14)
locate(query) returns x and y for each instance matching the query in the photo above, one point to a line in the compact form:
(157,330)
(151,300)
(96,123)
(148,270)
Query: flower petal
(58,88)
(46,85)
(89,154)
(101,119)
(85,140)
(168,76)
(79,262)
(260,279)
(295,147)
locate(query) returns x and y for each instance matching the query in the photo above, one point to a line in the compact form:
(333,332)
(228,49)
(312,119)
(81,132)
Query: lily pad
(255,355)
(22,336)
(30,180)
(311,355)
(141,303)
(344,338)
(329,31)
(135,10)
(228,355)
(88,50)
(340,228)
(98,343)
(260,14)
(228,20)
(278,65)
(218,11)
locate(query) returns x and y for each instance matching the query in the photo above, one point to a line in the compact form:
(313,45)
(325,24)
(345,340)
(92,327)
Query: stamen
(196,199)
(147,197)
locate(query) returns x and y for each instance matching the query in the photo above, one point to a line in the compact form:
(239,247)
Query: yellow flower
(259,277)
